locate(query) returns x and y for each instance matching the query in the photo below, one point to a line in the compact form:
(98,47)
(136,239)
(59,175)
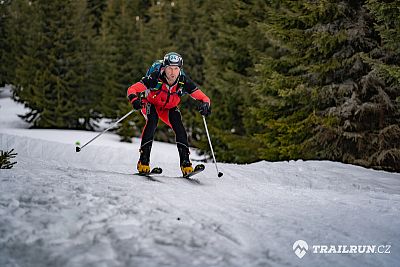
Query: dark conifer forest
(288,80)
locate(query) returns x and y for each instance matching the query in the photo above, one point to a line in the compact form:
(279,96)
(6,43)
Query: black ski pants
(172,117)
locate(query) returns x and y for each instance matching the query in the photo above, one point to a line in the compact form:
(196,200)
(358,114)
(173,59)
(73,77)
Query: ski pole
(78,149)
(212,150)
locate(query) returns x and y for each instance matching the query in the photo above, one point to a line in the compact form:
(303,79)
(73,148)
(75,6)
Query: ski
(155,170)
(199,168)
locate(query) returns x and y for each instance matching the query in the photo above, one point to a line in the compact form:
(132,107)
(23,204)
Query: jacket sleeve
(199,95)
(146,83)
(194,91)
(136,88)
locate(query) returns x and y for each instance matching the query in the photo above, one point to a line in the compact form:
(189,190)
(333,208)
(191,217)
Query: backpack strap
(158,86)
(181,83)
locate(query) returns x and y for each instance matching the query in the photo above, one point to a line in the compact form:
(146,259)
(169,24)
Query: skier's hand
(137,104)
(135,101)
(205,109)
(150,81)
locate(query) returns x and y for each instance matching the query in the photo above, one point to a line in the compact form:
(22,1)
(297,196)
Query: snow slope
(62,208)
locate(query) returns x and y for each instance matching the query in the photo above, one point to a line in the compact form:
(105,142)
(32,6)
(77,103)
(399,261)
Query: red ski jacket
(160,94)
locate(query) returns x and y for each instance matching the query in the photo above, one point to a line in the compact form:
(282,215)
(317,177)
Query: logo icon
(300,248)
(174,58)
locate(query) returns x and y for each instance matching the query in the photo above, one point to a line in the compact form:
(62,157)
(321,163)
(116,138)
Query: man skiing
(157,95)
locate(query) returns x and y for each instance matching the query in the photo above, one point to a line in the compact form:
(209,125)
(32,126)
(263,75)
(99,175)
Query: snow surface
(62,208)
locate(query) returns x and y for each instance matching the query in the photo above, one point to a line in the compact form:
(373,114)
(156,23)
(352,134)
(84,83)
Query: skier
(157,95)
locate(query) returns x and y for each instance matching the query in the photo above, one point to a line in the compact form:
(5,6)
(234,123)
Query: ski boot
(143,165)
(143,168)
(186,165)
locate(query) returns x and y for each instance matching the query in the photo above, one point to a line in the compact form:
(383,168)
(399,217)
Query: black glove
(150,81)
(205,109)
(135,101)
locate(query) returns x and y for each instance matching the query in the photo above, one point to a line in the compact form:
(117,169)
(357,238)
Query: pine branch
(5,157)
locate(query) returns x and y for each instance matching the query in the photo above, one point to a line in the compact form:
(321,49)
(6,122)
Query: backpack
(156,66)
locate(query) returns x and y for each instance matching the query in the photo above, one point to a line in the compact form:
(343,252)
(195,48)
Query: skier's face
(172,72)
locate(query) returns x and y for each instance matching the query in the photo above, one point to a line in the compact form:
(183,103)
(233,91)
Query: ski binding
(155,170)
(197,169)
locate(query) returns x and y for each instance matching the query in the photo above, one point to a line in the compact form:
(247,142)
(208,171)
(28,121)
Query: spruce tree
(96,9)
(122,62)
(284,103)
(385,69)
(54,72)
(14,21)
(5,159)
(158,30)
(5,48)
(233,50)
(322,97)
